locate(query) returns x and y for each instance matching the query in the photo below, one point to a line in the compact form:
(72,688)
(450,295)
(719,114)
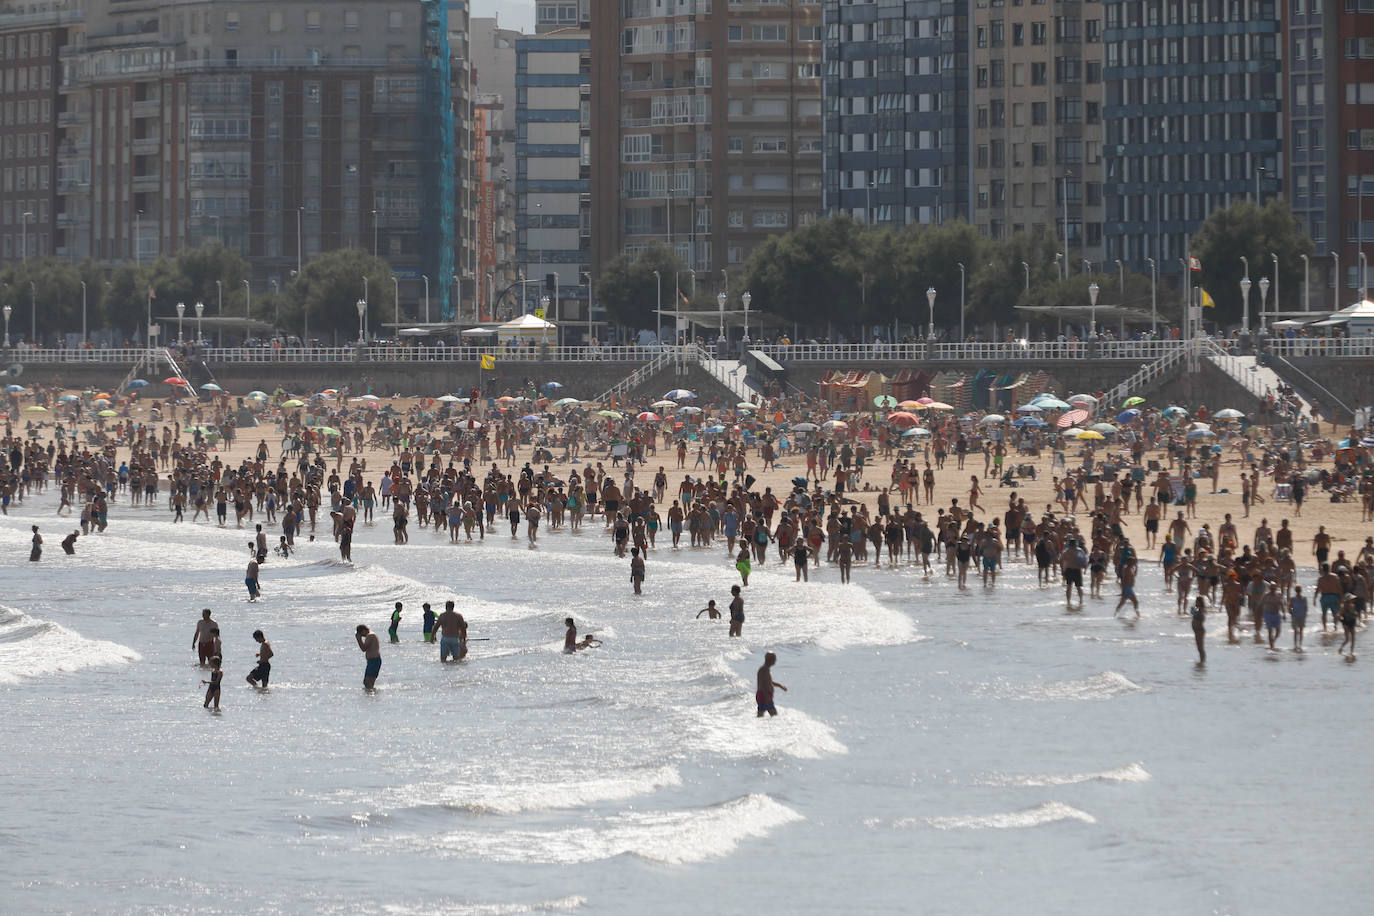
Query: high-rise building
(31,43)
(1192,117)
(551,15)
(1314,110)
(552,177)
(279,128)
(1037,122)
(896,88)
(493,65)
(707,126)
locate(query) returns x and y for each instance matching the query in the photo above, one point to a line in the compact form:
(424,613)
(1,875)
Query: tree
(53,302)
(327,291)
(201,267)
(1245,230)
(629,291)
(814,275)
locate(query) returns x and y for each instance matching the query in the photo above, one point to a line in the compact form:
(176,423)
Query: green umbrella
(610,414)
(107,413)
(325,430)
(293,403)
(885,400)
(1131,402)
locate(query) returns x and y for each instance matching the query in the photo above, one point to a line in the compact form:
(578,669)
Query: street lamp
(1264,295)
(7,326)
(1121,274)
(658,309)
(83,313)
(200,310)
(746,297)
(1364,275)
(299,212)
(1275,258)
(362,311)
(961,301)
(1154,307)
(33,314)
(138,225)
(1306,284)
(930,298)
(247,304)
(24,233)
(426,279)
(1336,284)
(396,299)
(1092,313)
(1259,170)
(720,303)
(1059,264)
(181,313)
(1087,266)
(1245,304)
(374,233)
(1026,267)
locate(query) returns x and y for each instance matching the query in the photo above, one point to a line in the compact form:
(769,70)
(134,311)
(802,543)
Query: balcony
(149,182)
(148,108)
(73,220)
(70,118)
(142,146)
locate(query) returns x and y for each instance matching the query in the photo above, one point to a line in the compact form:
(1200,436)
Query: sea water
(937,751)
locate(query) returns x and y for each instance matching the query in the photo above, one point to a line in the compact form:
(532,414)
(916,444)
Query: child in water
(743,564)
(216,675)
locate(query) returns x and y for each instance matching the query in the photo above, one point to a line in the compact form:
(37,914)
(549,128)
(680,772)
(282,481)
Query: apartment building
(493,165)
(1192,118)
(553,171)
(1036,122)
(896,88)
(279,128)
(707,127)
(31,40)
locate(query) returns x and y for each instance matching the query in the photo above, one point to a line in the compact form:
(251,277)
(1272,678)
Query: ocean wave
(1102,686)
(731,729)
(30,647)
(1133,772)
(665,837)
(480,909)
(1048,813)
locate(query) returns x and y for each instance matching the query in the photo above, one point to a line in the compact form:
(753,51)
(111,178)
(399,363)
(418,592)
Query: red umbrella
(902,418)
(174,380)
(1072,417)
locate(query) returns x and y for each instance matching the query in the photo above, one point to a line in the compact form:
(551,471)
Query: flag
(1207,301)
(488,362)
(151,294)
(1194,263)
(683,298)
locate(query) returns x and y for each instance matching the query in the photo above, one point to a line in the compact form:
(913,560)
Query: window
(350,20)
(808,33)
(231,22)
(312,20)
(808,71)
(1038,73)
(768,181)
(395,20)
(735,219)
(1038,110)
(734,144)
(770,144)
(734,33)
(769,33)
(1038,32)
(770,219)
(312,93)
(274,23)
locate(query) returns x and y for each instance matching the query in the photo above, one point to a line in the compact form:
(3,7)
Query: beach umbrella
(916,431)
(993,418)
(325,430)
(330,391)
(648,416)
(1132,401)
(1082,399)
(714,429)
(210,386)
(834,424)
(101,402)
(448,399)
(1127,416)
(1172,412)
(744,405)
(1050,402)
(174,380)
(138,383)
(1030,408)
(1030,421)
(68,398)
(1201,434)
(938,405)
(548,386)
(1105,428)
(1090,434)
(664,404)
(902,418)
(1367,442)
(689,410)
(805,427)
(530,418)
(925,400)
(107,413)
(679,394)
(884,400)
(566,402)
(506,399)
(35,408)
(1071,418)
(257,395)
(15,389)
(1198,424)
(1229,413)
(610,414)
(910,405)
(198,429)
(294,402)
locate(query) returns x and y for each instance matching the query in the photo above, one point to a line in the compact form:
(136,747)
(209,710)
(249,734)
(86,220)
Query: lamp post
(1059,264)
(24,233)
(1336,284)
(83,313)
(1026,269)
(247,305)
(1306,283)
(138,225)
(1087,266)
(1245,304)
(930,299)
(1065,184)
(200,311)
(1364,274)
(426,279)
(1264,295)
(33,314)
(7,326)
(1259,170)
(374,233)
(181,314)
(276,303)
(396,299)
(1275,258)
(720,304)
(1121,275)
(658,308)
(1092,312)
(1154,305)
(961,301)
(362,311)
(746,297)
(299,212)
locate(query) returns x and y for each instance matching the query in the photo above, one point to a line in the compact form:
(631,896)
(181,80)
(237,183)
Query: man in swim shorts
(204,640)
(371,648)
(764,695)
(263,672)
(453,634)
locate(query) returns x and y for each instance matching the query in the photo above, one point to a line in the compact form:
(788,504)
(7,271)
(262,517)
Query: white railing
(638,376)
(734,378)
(371,353)
(971,352)
(1141,377)
(1237,367)
(1321,346)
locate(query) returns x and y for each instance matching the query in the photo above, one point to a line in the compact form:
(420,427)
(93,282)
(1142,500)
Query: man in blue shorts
(371,648)
(453,634)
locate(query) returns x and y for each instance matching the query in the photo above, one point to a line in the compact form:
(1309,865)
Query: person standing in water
(250,579)
(36,552)
(371,648)
(1271,606)
(1200,628)
(764,695)
(428,622)
(1128,588)
(395,624)
(204,639)
(636,570)
(213,685)
(570,637)
(1297,616)
(69,543)
(736,612)
(263,672)
(453,634)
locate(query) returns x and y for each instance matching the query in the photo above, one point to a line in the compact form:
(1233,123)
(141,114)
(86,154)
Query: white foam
(30,648)
(481,909)
(1102,686)
(667,837)
(730,728)
(1133,772)
(1048,813)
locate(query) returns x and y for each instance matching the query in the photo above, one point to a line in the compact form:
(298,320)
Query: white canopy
(527,327)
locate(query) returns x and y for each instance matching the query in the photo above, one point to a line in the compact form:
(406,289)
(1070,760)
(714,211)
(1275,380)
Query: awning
(1016,384)
(1330,323)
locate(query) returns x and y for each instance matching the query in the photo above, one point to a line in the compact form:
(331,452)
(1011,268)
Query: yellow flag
(1207,301)
(488,362)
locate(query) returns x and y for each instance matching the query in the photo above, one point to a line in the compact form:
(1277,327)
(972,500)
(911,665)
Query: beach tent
(527,328)
(1357,319)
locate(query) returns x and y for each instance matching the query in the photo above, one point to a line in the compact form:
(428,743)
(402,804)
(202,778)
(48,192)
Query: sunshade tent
(528,328)
(1229,413)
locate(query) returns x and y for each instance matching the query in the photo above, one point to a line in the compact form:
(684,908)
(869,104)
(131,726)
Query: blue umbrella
(548,385)
(1030,421)
(1127,416)
(530,418)
(138,383)
(1030,408)
(15,389)
(1202,434)
(679,394)
(714,429)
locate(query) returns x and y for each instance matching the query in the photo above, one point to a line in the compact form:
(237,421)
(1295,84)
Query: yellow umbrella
(34,408)
(937,405)
(1091,434)
(107,413)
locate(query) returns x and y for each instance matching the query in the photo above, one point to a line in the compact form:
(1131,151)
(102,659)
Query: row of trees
(326,290)
(836,271)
